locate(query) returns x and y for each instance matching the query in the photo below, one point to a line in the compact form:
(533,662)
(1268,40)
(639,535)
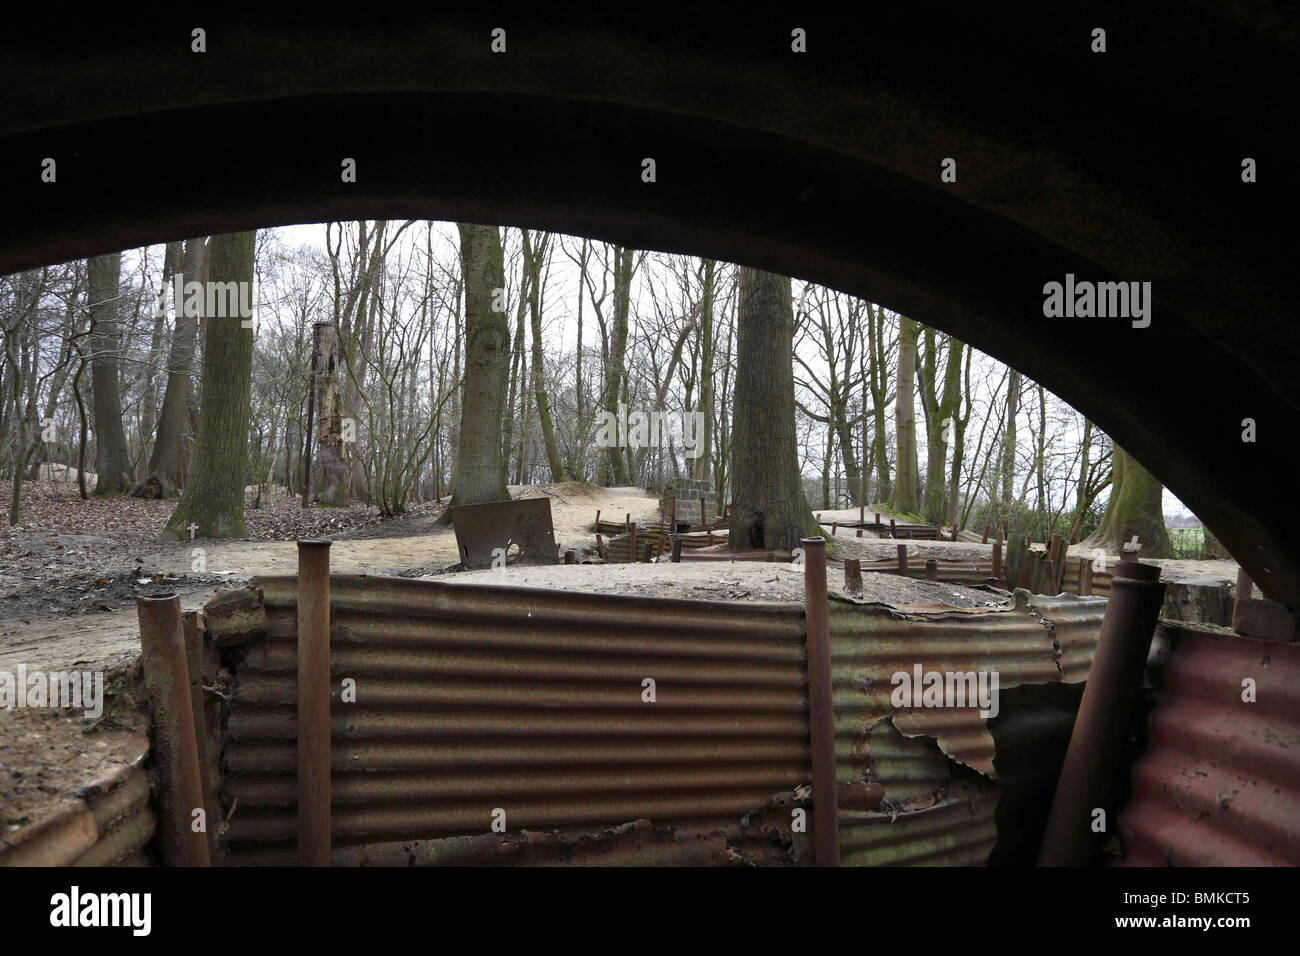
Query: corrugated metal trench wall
(474,700)
(1219,781)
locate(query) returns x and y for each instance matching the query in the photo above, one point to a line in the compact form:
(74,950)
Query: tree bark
(702,468)
(935,506)
(166,463)
(333,490)
(769,508)
(479,470)
(1135,508)
(214,496)
(614,362)
(903,499)
(111,462)
(533,256)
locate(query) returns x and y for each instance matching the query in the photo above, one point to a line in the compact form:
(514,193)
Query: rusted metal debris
(534,696)
(1099,730)
(233,616)
(166,674)
(1219,782)
(821,718)
(525,524)
(313,704)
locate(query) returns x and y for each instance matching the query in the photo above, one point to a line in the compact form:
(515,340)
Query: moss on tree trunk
(214,496)
(1135,508)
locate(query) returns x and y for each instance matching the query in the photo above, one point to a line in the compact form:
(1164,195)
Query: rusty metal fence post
(821,714)
(315,838)
(175,741)
(1136,595)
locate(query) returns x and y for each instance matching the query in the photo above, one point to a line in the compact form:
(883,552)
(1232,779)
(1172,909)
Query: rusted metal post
(1049,577)
(852,574)
(677,549)
(893,528)
(194,659)
(877,518)
(175,744)
(931,569)
(1136,595)
(985,539)
(859,532)
(600,546)
(954,533)
(997,560)
(627,522)
(1085,577)
(570,557)
(1245,589)
(835,525)
(821,715)
(314,791)
(648,552)
(598,519)
(902,560)
(631,544)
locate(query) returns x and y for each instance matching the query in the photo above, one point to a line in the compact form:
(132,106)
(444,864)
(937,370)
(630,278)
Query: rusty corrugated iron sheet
(471,697)
(476,697)
(1219,782)
(1100,579)
(109,823)
(870,644)
(955,831)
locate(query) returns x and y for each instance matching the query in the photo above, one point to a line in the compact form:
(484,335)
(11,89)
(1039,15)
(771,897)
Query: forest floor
(70,570)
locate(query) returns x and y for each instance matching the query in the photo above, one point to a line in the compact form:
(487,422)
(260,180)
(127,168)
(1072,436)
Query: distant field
(1188,542)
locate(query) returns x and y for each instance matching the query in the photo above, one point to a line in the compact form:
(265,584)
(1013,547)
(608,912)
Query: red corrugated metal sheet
(1219,784)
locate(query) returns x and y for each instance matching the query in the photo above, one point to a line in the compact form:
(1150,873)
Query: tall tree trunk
(941,425)
(769,508)
(334,487)
(111,463)
(1081,499)
(903,498)
(1009,439)
(172,260)
(1135,508)
(878,381)
(214,496)
(534,253)
(478,471)
(167,462)
(959,450)
(614,363)
(702,468)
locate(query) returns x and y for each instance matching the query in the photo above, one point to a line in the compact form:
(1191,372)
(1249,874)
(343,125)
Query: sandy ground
(65,606)
(741,581)
(107,636)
